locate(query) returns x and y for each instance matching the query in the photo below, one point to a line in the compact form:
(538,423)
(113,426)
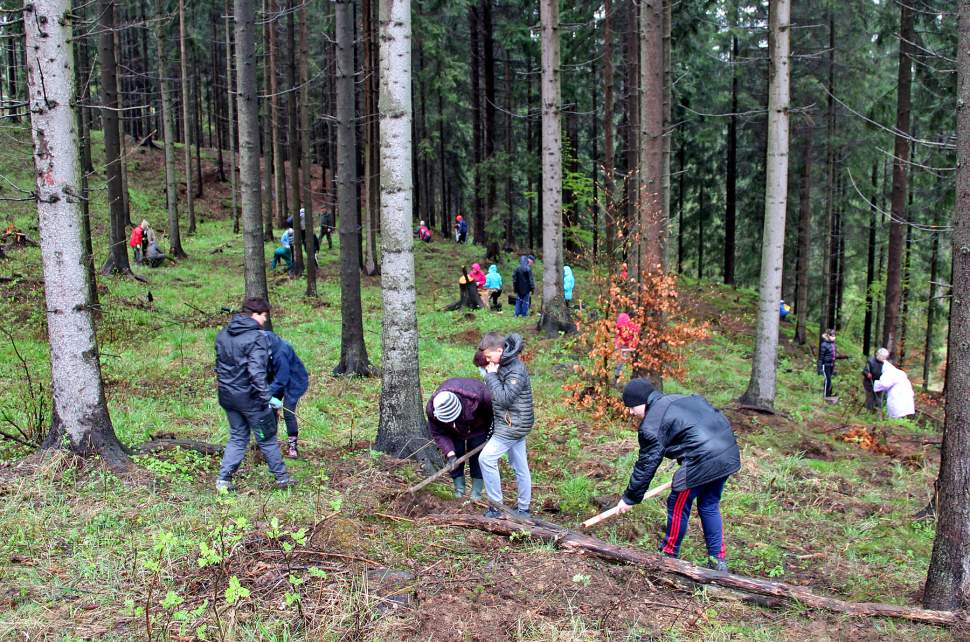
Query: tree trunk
(898,223)
(197,122)
(249,185)
(186,120)
(118,257)
(168,135)
(371,183)
(488,51)
(509,196)
(608,169)
(825,319)
(353,352)
(122,143)
(731,183)
(293,143)
(871,264)
(80,412)
(761,388)
(268,151)
(474,33)
(931,311)
(555,317)
(81,84)
(311,259)
(666,125)
(403,430)
(904,314)
(231,130)
(804,240)
(681,157)
(631,54)
(701,214)
(650,190)
(948,579)
(279,162)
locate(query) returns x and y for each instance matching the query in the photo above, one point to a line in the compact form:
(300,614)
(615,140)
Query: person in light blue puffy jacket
(493,283)
(568,283)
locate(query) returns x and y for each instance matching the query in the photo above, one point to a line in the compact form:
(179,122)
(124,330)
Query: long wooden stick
(580,543)
(447,469)
(605,515)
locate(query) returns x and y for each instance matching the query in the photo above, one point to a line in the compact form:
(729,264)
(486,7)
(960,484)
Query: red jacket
(475,419)
(136,236)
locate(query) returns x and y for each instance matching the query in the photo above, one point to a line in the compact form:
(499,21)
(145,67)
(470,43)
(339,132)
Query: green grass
(81,543)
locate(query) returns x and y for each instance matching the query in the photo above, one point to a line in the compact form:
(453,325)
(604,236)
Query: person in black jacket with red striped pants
(691,431)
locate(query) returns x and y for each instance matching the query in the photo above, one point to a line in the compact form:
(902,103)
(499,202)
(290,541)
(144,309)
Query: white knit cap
(447,406)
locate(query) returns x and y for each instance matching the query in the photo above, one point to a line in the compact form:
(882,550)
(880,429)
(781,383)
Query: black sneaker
(717,564)
(523,513)
(492,513)
(286,482)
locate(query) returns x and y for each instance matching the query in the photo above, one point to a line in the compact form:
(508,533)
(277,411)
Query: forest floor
(825,498)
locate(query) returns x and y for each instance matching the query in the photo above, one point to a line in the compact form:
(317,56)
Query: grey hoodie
(511,390)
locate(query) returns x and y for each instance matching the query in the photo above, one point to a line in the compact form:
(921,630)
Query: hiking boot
(492,513)
(523,513)
(291,449)
(286,482)
(225,486)
(459,487)
(717,564)
(477,486)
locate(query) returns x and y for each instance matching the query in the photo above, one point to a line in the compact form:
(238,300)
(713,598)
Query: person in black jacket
(242,361)
(700,438)
(524,284)
(827,355)
(871,373)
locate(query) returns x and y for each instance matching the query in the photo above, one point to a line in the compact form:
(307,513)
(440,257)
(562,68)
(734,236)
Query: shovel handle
(605,515)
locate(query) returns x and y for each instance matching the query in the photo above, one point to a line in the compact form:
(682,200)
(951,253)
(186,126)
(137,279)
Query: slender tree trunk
(311,259)
(631,54)
(293,142)
(488,50)
(608,152)
(555,317)
(531,151)
(478,155)
(650,196)
(701,215)
(80,413)
(353,352)
(666,128)
(227,86)
(681,157)
(268,151)
(904,314)
(403,430)
(731,184)
(825,319)
(279,161)
(122,143)
(931,311)
(168,135)
(197,123)
(510,212)
(186,120)
(898,224)
(371,133)
(244,14)
(81,87)
(231,131)
(804,241)
(870,264)
(948,579)
(118,256)
(761,388)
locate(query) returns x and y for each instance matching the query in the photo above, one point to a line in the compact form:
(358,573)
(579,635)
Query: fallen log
(186,444)
(575,542)
(447,469)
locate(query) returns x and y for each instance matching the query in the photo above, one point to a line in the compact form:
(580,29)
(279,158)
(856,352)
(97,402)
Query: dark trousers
(493,297)
(827,372)
(873,398)
(462,446)
(708,498)
(289,416)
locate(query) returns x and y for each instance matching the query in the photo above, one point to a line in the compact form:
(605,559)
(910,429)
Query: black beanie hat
(637,392)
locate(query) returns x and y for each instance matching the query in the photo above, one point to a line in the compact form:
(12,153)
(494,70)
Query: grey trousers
(262,424)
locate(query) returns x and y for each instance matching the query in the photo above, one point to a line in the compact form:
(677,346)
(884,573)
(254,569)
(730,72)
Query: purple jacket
(475,419)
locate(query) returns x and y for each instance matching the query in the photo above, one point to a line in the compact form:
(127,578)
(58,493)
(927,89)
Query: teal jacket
(493,280)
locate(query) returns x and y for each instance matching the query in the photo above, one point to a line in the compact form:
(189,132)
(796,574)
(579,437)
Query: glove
(275,403)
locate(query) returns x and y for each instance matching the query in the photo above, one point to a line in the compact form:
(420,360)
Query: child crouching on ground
(508,381)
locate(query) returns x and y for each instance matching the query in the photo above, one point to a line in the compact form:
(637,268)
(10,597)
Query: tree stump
(468,294)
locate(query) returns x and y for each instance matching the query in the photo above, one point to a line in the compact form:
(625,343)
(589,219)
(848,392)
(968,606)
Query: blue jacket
(568,282)
(287,376)
(493,280)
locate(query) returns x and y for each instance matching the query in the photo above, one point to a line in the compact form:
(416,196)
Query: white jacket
(899,391)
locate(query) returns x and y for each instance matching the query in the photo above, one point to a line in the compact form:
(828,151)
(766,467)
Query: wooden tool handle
(605,515)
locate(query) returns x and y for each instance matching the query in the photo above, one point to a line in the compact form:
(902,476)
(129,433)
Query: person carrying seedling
(508,380)
(287,383)
(688,429)
(460,419)
(242,361)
